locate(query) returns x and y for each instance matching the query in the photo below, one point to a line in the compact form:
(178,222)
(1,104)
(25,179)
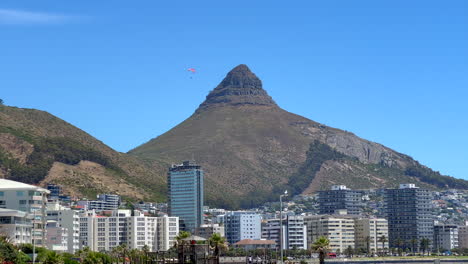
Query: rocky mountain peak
(240,86)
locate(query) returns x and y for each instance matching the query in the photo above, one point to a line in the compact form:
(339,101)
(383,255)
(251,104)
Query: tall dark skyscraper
(409,215)
(339,198)
(185,194)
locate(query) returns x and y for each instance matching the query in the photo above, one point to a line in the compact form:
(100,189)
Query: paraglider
(192,70)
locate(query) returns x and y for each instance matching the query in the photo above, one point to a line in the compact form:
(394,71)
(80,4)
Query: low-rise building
(208,230)
(463,236)
(30,199)
(252,244)
(16,225)
(445,237)
(66,218)
(57,237)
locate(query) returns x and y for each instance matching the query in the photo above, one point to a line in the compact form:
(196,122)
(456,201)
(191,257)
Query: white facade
(16,225)
(339,230)
(372,229)
(27,198)
(68,219)
(407,185)
(240,225)
(294,232)
(445,237)
(104,233)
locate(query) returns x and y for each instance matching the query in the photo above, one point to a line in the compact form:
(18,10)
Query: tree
(414,245)
(1,101)
(349,252)
(321,245)
(53,257)
(383,239)
(424,245)
(181,236)
(368,245)
(400,243)
(218,243)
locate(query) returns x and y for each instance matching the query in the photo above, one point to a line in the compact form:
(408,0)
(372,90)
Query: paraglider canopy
(191,70)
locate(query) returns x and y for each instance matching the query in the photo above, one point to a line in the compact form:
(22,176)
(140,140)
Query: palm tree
(53,257)
(424,245)
(414,245)
(321,245)
(383,239)
(146,250)
(400,243)
(368,245)
(218,243)
(181,236)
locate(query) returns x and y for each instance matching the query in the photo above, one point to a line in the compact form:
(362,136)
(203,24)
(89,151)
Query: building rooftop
(14,185)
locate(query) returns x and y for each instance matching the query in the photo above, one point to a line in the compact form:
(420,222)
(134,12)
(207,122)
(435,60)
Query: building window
(19,193)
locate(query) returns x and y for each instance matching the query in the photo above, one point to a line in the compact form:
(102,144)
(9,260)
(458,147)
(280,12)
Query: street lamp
(281,225)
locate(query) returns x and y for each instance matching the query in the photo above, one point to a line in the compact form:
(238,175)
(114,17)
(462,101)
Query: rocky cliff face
(240,86)
(251,149)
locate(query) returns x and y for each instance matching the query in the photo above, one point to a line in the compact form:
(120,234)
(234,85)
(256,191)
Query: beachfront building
(29,199)
(16,225)
(409,214)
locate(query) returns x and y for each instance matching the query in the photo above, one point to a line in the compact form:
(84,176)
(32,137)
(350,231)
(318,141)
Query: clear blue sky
(394,72)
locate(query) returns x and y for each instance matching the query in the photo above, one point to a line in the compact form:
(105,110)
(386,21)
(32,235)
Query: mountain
(251,150)
(37,147)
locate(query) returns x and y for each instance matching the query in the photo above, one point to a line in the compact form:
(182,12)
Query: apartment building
(445,237)
(29,199)
(57,237)
(239,225)
(340,198)
(68,219)
(206,231)
(409,215)
(16,225)
(294,232)
(101,233)
(368,232)
(463,236)
(338,229)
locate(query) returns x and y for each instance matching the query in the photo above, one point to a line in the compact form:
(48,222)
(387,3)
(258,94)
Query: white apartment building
(294,232)
(338,229)
(167,231)
(101,233)
(16,225)
(67,219)
(57,237)
(445,237)
(239,225)
(371,229)
(27,198)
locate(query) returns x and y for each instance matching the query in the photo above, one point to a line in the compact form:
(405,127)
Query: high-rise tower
(185,194)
